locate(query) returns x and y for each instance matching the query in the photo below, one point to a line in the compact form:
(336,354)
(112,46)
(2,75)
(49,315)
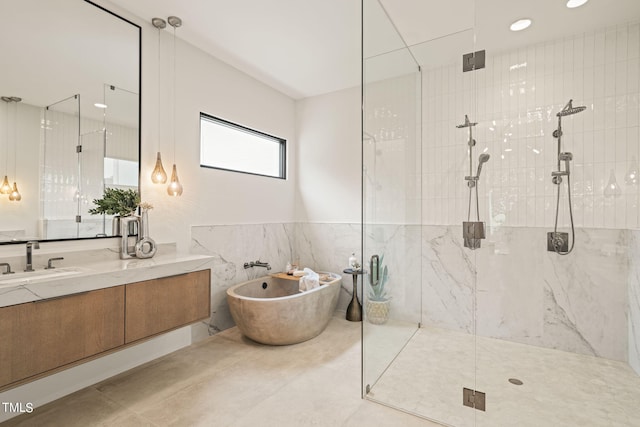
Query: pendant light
(5,187)
(174,188)
(15,195)
(612,189)
(158,176)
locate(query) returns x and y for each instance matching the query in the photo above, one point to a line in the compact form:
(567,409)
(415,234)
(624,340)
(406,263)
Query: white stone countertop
(91,270)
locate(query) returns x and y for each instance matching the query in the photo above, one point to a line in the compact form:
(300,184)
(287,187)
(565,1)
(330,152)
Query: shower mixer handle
(566,157)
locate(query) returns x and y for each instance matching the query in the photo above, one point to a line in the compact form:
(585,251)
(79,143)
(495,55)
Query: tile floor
(227,380)
(559,388)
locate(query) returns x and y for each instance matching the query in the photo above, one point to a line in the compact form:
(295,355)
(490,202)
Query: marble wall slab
(448,279)
(634,300)
(328,247)
(511,288)
(233,245)
(525,294)
(321,247)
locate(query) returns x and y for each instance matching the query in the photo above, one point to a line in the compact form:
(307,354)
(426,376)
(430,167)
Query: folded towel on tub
(309,281)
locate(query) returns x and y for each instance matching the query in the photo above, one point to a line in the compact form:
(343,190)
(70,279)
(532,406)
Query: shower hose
(555,227)
(477,204)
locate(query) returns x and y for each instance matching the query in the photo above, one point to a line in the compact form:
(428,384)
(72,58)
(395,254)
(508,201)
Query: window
(120,173)
(228,146)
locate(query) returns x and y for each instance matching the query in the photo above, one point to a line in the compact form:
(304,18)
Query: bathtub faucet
(257,264)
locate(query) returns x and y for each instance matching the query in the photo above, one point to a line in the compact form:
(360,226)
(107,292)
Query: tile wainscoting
(585,303)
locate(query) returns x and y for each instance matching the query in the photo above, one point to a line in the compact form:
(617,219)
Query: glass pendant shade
(5,188)
(174,188)
(631,178)
(612,189)
(15,194)
(158,176)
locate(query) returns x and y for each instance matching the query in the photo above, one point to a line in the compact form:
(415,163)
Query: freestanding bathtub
(271,310)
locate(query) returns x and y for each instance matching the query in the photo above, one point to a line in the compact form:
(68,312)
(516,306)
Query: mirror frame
(139,28)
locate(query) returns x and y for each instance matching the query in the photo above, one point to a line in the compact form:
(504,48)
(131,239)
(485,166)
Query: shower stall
(86,148)
(540,324)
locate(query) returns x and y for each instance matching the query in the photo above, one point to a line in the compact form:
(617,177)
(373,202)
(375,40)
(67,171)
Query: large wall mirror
(69,118)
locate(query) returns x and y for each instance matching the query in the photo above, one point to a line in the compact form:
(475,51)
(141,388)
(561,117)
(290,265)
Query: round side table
(354,310)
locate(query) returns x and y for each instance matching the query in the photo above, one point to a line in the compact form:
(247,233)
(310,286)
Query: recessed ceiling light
(520,24)
(575,3)
(98,105)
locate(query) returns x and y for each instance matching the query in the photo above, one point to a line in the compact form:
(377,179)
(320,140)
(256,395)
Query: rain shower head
(484,158)
(466,123)
(569,109)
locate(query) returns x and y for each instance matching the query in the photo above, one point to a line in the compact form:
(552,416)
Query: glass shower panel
(60,186)
(91,179)
(391,196)
(415,200)
(557,329)
(453,148)
(109,154)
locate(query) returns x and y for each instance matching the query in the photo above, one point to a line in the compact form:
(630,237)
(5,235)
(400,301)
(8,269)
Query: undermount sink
(27,277)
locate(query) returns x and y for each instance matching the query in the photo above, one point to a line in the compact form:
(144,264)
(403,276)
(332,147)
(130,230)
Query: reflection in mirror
(76,131)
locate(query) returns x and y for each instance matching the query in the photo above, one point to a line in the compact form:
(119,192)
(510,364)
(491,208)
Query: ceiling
(51,51)
(310,47)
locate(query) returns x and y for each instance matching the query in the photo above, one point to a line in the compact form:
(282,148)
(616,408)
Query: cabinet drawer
(43,335)
(160,305)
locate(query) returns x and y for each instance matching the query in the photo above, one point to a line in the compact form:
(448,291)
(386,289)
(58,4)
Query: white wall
(210,196)
(329,157)
(205,84)
(24,124)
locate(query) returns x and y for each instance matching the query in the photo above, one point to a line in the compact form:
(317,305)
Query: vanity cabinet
(39,336)
(42,337)
(160,305)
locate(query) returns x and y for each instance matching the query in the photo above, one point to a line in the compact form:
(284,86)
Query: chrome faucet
(257,264)
(30,246)
(8,270)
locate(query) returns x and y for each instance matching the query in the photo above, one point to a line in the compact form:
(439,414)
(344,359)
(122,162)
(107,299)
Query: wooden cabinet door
(160,305)
(39,336)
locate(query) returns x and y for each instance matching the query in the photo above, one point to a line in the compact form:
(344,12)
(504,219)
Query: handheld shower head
(484,158)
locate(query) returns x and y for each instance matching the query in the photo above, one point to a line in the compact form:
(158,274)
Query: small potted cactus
(378,302)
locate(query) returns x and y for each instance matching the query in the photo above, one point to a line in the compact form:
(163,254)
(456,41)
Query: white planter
(378,311)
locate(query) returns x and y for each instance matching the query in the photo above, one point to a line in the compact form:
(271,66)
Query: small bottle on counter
(289,269)
(353,261)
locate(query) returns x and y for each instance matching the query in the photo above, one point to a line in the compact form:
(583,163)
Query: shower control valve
(557,241)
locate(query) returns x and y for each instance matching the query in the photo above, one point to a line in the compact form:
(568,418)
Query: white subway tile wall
(515,100)
(59,185)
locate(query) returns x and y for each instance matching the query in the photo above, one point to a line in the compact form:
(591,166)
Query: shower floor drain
(515,381)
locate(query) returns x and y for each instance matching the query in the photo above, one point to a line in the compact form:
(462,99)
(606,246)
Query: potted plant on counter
(118,202)
(378,302)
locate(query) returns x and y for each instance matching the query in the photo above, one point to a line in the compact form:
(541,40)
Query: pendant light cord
(159,85)
(15,140)
(6,125)
(174,94)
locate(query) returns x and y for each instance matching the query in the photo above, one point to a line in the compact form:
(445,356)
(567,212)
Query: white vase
(378,311)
